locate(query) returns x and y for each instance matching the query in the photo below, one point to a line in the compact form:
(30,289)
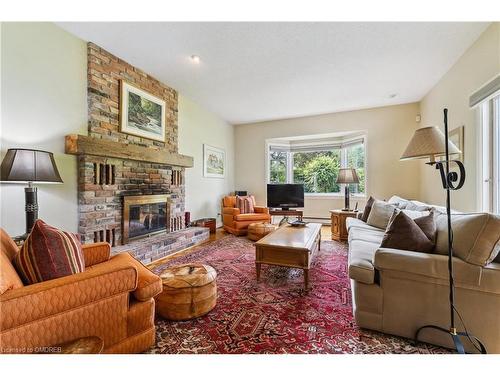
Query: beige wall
(44,88)
(43,99)
(388,131)
(479,64)
(196,127)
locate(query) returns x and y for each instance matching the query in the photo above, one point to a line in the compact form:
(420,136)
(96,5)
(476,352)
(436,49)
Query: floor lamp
(430,142)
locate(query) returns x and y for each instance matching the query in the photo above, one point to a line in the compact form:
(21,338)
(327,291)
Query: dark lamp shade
(347,176)
(24,165)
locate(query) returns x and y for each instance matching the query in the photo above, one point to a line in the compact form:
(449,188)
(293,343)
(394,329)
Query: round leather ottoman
(189,291)
(258,230)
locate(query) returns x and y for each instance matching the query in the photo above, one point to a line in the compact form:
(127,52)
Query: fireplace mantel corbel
(76,144)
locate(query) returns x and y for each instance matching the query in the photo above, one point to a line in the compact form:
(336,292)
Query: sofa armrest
(33,302)
(148,284)
(261,210)
(428,266)
(230,211)
(96,253)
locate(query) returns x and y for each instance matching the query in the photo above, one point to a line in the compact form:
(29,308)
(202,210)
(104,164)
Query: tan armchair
(237,223)
(111,299)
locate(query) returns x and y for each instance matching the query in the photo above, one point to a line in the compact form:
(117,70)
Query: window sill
(332,196)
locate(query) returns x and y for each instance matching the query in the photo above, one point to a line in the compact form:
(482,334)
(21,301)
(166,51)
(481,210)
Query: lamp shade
(347,176)
(29,166)
(428,142)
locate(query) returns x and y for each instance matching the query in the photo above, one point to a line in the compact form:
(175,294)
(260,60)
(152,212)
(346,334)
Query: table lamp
(430,142)
(347,176)
(31,166)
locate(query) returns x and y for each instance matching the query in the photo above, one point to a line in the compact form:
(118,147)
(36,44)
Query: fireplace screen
(143,215)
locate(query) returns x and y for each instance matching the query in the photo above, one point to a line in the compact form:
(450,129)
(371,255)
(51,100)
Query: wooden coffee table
(293,247)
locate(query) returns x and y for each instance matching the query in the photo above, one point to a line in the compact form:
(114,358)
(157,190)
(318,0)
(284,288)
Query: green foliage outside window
(318,170)
(277,167)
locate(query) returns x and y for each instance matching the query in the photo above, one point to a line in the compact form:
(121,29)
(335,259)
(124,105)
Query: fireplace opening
(144,215)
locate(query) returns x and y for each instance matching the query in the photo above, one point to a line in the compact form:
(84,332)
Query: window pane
(277,167)
(356,160)
(317,171)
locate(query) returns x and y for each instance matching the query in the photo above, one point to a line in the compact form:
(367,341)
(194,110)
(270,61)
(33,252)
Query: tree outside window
(277,167)
(318,170)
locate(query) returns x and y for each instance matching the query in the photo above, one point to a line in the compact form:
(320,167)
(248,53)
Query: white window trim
(343,160)
(488,112)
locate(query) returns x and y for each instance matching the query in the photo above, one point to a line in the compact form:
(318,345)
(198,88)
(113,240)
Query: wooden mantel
(84,145)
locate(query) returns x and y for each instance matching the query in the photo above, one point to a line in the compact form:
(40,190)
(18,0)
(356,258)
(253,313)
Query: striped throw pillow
(245,204)
(49,253)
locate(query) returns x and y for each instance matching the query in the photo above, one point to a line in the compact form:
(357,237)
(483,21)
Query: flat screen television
(285,196)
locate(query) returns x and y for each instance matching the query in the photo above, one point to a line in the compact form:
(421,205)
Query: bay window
(316,166)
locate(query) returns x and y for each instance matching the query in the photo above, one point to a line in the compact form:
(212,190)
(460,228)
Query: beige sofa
(397,291)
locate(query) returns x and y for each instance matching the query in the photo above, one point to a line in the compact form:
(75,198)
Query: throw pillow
(428,225)
(401,202)
(405,234)
(417,206)
(49,253)
(245,204)
(415,214)
(368,207)
(476,237)
(380,214)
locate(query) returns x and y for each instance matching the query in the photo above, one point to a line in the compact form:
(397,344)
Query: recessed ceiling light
(195,59)
(392,96)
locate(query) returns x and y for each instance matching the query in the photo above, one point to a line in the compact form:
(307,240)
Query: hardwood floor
(220,233)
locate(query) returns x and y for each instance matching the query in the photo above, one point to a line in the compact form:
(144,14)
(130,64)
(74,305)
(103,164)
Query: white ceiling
(260,71)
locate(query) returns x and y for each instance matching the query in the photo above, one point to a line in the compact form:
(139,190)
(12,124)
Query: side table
(339,230)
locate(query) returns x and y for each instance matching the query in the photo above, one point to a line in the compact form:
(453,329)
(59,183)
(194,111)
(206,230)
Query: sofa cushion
(380,214)
(49,253)
(361,254)
(352,222)
(475,237)
(9,279)
(367,209)
(368,235)
(404,233)
(251,217)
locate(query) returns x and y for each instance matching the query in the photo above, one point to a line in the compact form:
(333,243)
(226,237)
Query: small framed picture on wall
(214,162)
(456,136)
(141,113)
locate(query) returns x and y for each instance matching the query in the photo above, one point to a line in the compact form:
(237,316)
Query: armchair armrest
(261,210)
(429,266)
(22,305)
(231,211)
(96,253)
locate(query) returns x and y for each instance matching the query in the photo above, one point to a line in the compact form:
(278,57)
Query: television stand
(286,214)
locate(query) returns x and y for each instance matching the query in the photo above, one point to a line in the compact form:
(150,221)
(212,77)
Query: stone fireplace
(122,177)
(107,184)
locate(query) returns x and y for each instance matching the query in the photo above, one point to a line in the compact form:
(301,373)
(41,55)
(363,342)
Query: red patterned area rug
(275,315)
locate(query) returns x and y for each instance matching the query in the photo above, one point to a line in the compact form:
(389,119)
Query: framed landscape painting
(141,113)
(214,162)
